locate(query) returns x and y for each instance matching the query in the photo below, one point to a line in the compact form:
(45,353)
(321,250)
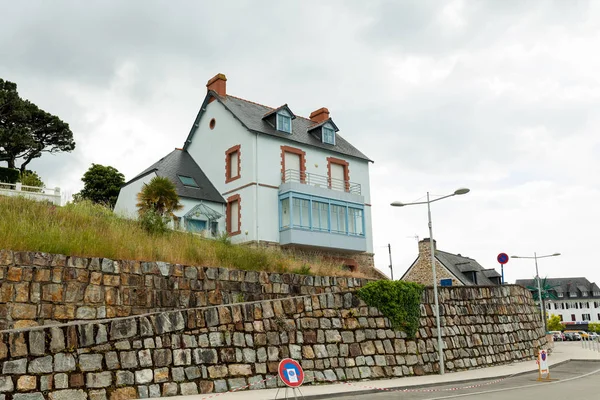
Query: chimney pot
(218,84)
(320,115)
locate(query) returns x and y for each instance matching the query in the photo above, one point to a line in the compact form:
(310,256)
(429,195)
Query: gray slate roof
(251,116)
(458,264)
(179,162)
(566,285)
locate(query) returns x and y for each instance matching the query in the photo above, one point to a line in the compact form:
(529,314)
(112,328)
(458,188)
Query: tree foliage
(26,131)
(101,185)
(399,301)
(554,323)
(594,327)
(31,178)
(545,288)
(160,196)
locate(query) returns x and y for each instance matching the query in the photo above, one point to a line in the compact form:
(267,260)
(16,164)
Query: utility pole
(390,251)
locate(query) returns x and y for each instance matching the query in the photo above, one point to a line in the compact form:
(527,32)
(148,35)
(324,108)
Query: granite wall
(335,336)
(40,288)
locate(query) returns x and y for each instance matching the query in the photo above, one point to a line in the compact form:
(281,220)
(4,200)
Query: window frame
(330,131)
(228,227)
(228,154)
(278,125)
(329,202)
(195,185)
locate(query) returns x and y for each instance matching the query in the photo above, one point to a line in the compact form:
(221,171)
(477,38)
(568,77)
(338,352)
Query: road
(576,379)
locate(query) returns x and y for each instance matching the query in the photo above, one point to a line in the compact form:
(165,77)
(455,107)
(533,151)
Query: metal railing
(293,175)
(33,192)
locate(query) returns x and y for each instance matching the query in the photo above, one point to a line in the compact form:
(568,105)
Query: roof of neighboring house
(457,265)
(251,115)
(565,285)
(179,162)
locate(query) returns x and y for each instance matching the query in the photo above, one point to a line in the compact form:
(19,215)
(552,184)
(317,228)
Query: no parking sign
(291,373)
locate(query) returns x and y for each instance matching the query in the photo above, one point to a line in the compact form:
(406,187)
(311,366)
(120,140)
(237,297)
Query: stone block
(206,387)
(24,311)
(64,362)
(123,329)
(169,389)
(41,365)
(126,393)
(98,379)
(102,334)
(76,380)
(46,383)
(112,360)
(61,381)
(162,357)
(145,358)
(178,374)
(240,369)
(216,339)
(85,312)
(192,373)
(236,383)
(71,394)
(188,388)
(205,356)
(99,394)
(217,371)
(154,391)
(182,357)
(161,375)
(249,355)
(15,367)
(37,343)
(128,360)
(6,384)
(17,344)
(144,376)
(90,362)
(125,378)
(168,322)
(28,396)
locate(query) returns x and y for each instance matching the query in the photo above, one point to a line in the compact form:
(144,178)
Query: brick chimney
(218,83)
(320,115)
(424,247)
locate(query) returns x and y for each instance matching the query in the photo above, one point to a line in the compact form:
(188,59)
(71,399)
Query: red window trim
(228,153)
(231,199)
(301,153)
(343,163)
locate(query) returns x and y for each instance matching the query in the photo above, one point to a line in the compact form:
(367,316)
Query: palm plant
(159,196)
(545,288)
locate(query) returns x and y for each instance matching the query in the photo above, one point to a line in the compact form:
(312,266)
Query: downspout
(256,187)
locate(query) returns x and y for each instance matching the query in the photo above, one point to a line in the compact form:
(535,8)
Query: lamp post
(432,252)
(537,278)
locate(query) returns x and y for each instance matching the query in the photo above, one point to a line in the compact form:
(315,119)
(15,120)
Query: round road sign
(291,372)
(502,258)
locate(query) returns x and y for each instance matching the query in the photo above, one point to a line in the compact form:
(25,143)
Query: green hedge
(9,175)
(399,301)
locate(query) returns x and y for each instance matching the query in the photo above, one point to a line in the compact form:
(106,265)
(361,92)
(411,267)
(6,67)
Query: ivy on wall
(399,301)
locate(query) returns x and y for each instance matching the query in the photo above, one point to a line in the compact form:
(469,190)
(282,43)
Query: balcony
(293,175)
(31,192)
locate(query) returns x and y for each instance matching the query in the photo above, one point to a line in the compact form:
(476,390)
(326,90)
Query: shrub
(153,223)
(399,301)
(9,175)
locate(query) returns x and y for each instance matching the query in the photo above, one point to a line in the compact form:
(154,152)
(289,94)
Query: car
(594,336)
(558,336)
(584,335)
(568,336)
(576,336)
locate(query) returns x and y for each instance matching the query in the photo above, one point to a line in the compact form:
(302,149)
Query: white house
(203,206)
(286,180)
(575,300)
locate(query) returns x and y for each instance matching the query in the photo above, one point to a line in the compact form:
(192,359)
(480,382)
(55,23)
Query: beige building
(463,271)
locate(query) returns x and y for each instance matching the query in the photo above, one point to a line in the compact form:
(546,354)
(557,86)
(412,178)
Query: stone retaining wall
(335,336)
(38,288)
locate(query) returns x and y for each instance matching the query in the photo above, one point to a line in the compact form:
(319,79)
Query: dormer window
(328,135)
(584,294)
(284,121)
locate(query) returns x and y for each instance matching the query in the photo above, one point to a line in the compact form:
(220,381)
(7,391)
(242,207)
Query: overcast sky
(502,97)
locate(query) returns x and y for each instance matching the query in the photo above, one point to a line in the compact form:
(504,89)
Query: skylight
(187,181)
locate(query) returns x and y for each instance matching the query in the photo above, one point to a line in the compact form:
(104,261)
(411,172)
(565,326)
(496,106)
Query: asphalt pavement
(575,379)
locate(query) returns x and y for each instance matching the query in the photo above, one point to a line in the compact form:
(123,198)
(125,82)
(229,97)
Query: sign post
(543,367)
(291,374)
(502,259)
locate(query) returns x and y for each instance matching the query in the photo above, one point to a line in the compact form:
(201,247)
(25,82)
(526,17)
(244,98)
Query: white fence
(31,192)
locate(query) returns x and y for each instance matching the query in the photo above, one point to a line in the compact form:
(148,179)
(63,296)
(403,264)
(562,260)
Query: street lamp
(537,278)
(435,291)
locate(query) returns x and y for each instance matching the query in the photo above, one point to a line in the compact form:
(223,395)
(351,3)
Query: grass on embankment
(90,230)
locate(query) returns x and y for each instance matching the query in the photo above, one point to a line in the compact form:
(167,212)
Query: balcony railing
(293,175)
(31,192)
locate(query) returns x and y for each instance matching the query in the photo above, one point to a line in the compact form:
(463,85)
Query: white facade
(127,200)
(575,310)
(260,183)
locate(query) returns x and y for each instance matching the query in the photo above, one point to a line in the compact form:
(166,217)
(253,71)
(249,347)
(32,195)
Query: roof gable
(251,116)
(180,163)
